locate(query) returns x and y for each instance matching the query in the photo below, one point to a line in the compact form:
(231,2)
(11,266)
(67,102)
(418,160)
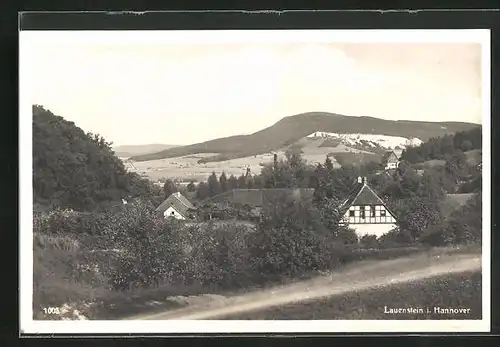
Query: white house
(366,212)
(176,206)
(391,160)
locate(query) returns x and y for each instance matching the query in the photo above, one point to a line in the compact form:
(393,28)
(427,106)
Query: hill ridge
(290,129)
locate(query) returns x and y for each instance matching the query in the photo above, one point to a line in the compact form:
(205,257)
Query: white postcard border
(29,38)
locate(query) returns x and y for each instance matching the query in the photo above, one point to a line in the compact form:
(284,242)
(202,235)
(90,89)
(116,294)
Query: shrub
(369,241)
(463,226)
(290,240)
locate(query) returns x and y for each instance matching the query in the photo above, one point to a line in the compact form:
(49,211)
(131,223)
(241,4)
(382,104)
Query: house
(391,160)
(253,199)
(176,206)
(366,213)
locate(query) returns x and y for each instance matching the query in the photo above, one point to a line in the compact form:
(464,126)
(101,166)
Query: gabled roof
(258,197)
(179,202)
(364,195)
(398,152)
(388,154)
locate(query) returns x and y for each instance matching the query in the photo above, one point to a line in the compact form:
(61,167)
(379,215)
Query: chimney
(365,180)
(360,180)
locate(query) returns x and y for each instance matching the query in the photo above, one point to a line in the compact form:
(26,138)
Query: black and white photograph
(255,181)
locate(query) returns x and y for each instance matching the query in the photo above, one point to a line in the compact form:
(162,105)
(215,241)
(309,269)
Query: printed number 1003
(51,310)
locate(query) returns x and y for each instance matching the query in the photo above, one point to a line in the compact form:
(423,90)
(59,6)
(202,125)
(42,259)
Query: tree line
(415,197)
(444,146)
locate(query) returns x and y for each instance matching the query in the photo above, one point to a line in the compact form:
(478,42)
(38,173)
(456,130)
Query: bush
(90,257)
(369,241)
(463,226)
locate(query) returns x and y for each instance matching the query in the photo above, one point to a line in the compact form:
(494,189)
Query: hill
(291,129)
(131,150)
(72,169)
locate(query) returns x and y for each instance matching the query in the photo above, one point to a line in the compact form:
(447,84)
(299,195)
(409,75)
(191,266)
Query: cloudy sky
(185,93)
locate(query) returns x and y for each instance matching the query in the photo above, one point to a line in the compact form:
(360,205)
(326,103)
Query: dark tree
(466,146)
(213,185)
(169,188)
(202,191)
(328,164)
(242,182)
(191,187)
(232,182)
(223,182)
(456,164)
(259,181)
(250,182)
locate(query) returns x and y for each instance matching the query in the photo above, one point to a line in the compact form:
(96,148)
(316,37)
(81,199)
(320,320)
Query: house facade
(176,206)
(391,160)
(366,213)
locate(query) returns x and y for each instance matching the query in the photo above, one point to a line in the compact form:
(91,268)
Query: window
(382,213)
(372,211)
(351,213)
(362,212)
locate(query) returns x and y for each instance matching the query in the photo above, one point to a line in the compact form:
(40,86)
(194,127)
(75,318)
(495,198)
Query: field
(457,291)
(188,168)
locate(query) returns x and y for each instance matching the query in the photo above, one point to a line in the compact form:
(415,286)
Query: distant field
(434,162)
(356,158)
(187,167)
(130,150)
(455,291)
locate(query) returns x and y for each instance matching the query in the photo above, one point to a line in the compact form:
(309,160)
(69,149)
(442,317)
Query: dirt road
(355,277)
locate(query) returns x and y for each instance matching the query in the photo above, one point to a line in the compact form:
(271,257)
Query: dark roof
(258,197)
(178,201)
(363,195)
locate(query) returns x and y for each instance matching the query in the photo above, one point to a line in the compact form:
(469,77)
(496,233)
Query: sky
(179,93)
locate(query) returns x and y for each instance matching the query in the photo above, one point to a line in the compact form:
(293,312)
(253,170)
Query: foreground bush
(91,258)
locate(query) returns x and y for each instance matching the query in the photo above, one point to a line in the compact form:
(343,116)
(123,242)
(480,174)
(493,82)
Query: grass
(454,202)
(434,163)
(356,158)
(452,291)
(474,156)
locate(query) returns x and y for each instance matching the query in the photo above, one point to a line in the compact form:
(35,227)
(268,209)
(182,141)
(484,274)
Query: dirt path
(352,278)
